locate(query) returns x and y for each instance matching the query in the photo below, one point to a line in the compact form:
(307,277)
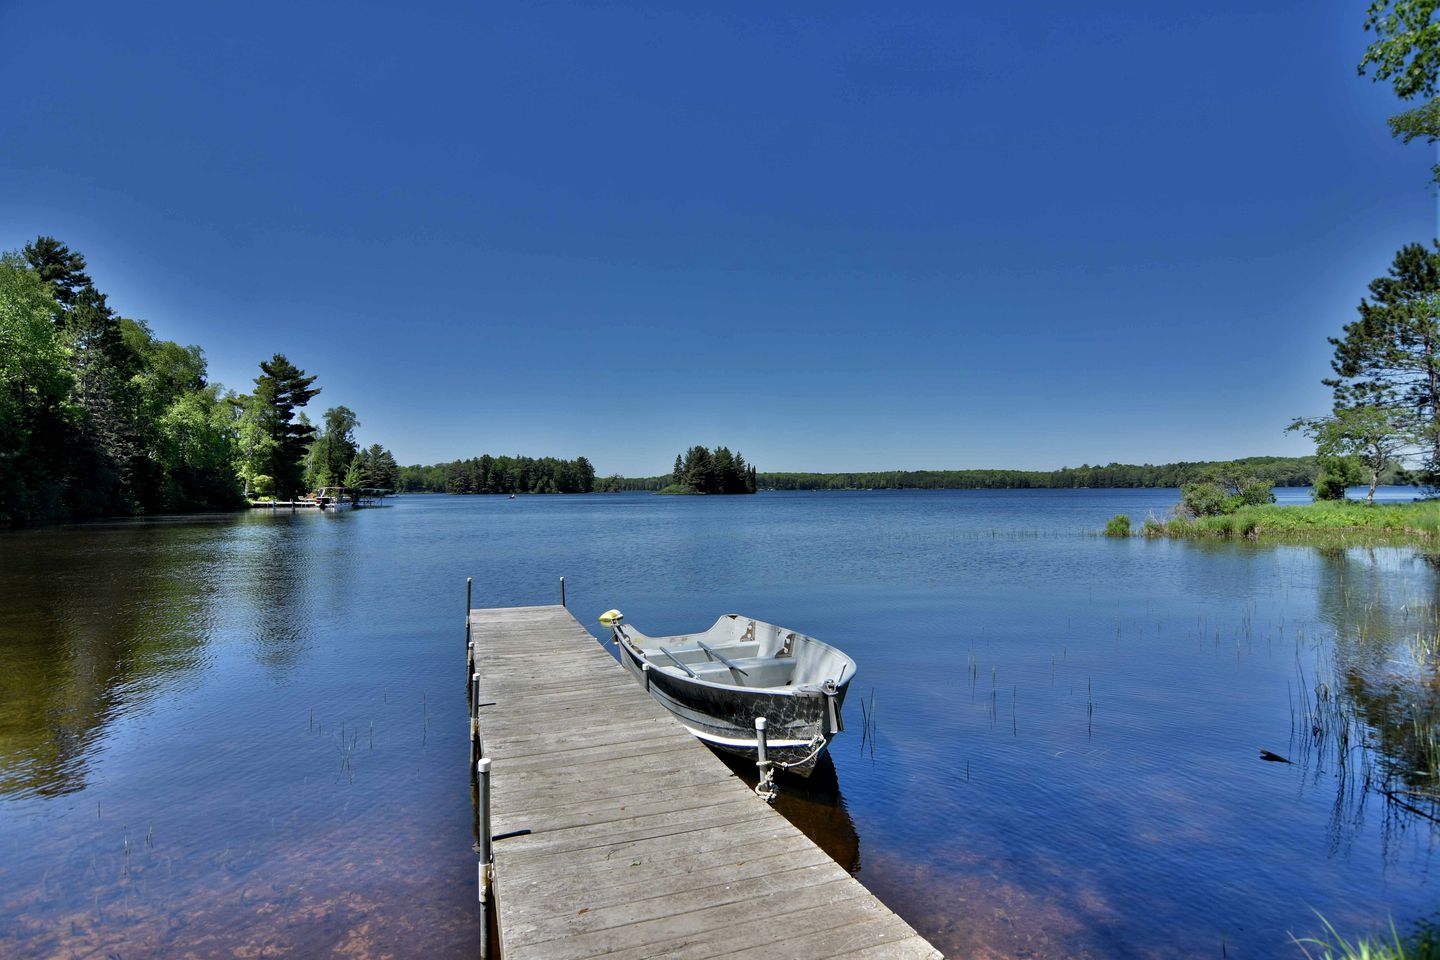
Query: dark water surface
(245,735)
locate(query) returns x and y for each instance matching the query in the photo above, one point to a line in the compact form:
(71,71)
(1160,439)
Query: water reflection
(1370,714)
(85,639)
(814,804)
(216,736)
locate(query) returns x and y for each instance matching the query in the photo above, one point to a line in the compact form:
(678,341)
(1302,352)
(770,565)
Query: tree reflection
(1372,714)
(95,619)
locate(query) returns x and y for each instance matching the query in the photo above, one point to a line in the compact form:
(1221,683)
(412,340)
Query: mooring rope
(817,741)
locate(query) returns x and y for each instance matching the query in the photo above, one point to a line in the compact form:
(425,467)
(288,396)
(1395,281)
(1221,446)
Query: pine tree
(59,266)
(274,443)
(1390,357)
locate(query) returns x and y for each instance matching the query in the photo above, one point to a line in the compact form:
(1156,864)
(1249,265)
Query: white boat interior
(741,652)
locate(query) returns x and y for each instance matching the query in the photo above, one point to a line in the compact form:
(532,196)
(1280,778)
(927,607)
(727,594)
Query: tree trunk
(1374,482)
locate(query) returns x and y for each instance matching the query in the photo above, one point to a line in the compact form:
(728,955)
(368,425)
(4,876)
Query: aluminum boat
(718,682)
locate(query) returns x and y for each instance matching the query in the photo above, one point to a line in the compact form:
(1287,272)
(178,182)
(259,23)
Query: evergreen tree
(110,474)
(357,474)
(727,479)
(1389,358)
(700,469)
(331,452)
(59,266)
(274,443)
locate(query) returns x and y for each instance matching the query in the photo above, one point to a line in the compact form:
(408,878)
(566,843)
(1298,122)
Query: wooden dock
(617,833)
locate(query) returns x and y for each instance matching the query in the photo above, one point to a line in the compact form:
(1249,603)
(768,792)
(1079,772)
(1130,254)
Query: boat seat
(761,671)
(694,655)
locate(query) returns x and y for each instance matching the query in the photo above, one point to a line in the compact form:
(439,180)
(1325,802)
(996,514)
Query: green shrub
(1153,528)
(1251,492)
(1203,498)
(680,489)
(1336,473)
(1119,526)
(1223,491)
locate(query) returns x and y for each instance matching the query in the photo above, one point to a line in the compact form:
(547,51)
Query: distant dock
(329,498)
(605,828)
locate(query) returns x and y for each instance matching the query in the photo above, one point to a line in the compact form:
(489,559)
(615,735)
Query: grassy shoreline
(1400,523)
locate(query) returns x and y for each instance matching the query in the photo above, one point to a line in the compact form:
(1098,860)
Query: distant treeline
(487,474)
(548,475)
(1279,471)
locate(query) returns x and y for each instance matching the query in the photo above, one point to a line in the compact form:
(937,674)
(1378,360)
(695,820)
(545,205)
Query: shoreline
(1416,523)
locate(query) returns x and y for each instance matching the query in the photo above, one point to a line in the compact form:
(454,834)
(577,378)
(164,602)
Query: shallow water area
(245,734)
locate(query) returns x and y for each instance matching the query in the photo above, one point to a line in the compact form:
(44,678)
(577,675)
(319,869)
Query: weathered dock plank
(624,837)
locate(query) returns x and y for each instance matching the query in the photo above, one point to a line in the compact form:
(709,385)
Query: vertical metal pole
(483,769)
(469,644)
(765,789)
(562,591)
(475,751)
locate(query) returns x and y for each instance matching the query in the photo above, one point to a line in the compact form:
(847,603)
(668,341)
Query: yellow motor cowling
(611,617)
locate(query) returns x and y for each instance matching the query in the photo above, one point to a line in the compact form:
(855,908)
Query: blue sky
(834,236)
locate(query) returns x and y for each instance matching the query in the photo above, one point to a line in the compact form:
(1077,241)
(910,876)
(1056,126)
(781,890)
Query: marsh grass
(867,725)
(1423,944)
(1326,522)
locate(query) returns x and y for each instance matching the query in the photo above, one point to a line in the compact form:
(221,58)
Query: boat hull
(800,723)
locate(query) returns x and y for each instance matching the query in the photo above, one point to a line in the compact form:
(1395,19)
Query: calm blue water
(245,735)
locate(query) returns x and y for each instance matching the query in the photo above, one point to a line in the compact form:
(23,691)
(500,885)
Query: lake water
(245,735)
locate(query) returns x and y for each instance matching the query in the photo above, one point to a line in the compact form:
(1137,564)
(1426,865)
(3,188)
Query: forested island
(700,472)
(490,474)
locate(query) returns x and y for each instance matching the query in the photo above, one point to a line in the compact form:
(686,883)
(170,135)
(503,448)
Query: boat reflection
(814,804)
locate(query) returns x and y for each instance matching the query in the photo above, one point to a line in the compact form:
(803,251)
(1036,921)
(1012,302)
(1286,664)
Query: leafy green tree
(272,441)
(109,471)
(37,421)
(195,446)
(1223,489)
(1389,358)
(330,454)
(1374,436)
(1335,476)
(1406,52)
